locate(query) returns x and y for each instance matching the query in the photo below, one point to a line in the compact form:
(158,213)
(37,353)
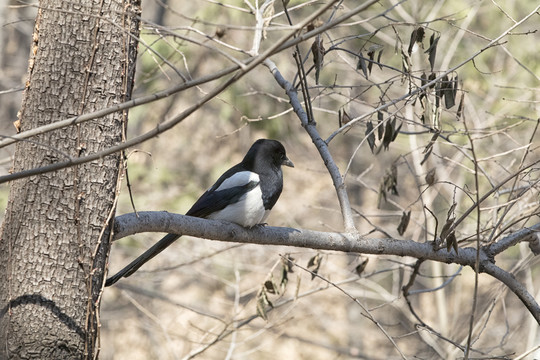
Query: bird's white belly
(247,212)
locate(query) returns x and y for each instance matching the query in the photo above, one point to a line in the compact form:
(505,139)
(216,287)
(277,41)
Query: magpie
(244,195)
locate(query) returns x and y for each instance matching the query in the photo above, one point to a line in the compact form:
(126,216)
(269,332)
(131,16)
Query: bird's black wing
(213,201)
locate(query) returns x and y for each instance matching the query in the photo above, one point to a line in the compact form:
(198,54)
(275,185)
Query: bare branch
(148,221)
(515,286)
(367,313)
(530,234)
(321,145)
(490,192)
(492,43)
(478,232)
(251,63)
(119,107)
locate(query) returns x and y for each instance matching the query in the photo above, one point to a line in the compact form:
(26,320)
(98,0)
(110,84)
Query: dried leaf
(446,228)
(442,85)
(432,50)
(451,210)
(449,94)
(455,86)
(17,124)
(318,51)
(390,133)
(379,59)
(313,260)
(389,183)
(438,95)
(412,41)
(448,245)
(370,135)
(314,264)
(286,268)
(459,112)
(426,156)
(314,24)
(361,267)
(451,242)
(220,32)
(382,195)
(287,263)
(387,139)
(420,35)
(362,65)
(267,15)
(429,146)
(371,55)
(284,279)
(397,43)
(380,129)
(405,62)
(261,309)
(430,177)
(262,304)
(417,36)
(452,237)
(396,130)
(343,117)
(423,82)
(404,222)
(394,173)
(270,287)
(434,138)
(423,79)
(432,77)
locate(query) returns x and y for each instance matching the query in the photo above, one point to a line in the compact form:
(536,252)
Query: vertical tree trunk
(54,239)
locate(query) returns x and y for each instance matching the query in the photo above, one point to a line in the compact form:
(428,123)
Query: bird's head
(266,151)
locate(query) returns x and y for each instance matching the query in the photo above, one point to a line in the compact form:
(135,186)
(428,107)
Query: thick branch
(530,234)
(515,286)
(162,221)
(130,224)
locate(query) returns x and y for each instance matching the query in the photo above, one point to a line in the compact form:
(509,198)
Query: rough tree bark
(55,239)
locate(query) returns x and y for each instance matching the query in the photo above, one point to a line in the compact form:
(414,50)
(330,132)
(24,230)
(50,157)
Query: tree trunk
(55,236)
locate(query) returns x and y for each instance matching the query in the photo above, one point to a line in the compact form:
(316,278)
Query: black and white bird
(244,195)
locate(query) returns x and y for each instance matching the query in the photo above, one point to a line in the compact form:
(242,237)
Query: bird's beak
(287,162)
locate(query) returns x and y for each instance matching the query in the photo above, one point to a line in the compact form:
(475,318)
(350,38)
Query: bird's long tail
(142,259)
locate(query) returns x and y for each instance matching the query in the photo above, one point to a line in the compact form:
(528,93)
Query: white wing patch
(239,179)
(247,212)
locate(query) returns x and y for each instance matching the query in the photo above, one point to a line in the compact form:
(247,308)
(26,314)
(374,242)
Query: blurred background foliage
(191,296)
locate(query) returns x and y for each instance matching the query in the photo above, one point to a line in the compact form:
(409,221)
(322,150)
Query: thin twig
(478,231)
(367,313)
(322,147)
(251,63)
(513,188)
(420,89)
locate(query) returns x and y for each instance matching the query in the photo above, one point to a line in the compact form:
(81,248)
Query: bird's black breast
(271,187)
